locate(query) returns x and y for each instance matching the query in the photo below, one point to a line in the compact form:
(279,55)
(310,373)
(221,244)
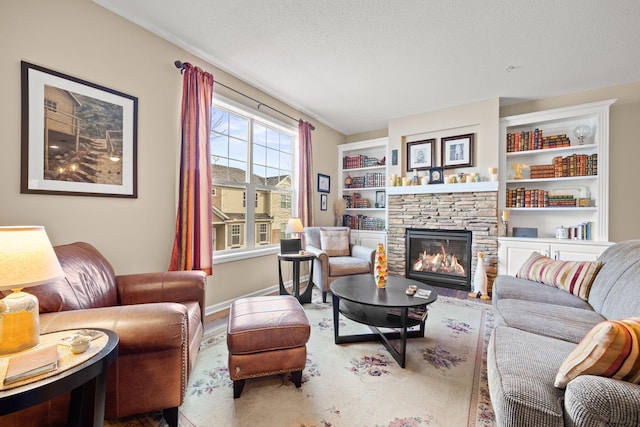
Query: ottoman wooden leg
(238,385)
(296,377)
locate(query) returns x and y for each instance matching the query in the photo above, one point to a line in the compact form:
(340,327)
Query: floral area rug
(444,382)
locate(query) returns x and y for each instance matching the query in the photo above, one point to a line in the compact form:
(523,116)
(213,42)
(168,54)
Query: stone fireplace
(463,207)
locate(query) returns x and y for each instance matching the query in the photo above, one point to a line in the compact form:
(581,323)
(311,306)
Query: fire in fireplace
(440,257)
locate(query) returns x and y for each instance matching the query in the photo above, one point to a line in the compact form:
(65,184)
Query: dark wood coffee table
(359,299)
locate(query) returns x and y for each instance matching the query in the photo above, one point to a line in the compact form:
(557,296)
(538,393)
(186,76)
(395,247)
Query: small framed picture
(380,199)
(420,154)
(457,151)
(436,176)
(324,183)
(323,202)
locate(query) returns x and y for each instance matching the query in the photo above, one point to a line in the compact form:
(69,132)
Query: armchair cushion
(346,265)
(335,242)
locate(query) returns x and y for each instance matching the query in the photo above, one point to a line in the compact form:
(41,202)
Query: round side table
(296,259)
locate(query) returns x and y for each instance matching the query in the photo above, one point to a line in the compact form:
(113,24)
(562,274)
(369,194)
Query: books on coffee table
(417,313)
(422,293)
(31,363)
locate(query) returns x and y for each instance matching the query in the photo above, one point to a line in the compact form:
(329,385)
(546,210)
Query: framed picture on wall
(457,151)
(323,202)
(324,183)
(78,138)
(420,154)
(436,176)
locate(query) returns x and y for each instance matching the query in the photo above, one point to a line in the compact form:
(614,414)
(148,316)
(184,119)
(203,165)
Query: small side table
(296,259)
(86,381)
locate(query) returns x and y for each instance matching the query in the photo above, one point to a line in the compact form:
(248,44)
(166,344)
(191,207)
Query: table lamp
(294,227)
(26,259)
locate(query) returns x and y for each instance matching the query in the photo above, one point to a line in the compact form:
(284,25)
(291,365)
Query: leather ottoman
(266,336)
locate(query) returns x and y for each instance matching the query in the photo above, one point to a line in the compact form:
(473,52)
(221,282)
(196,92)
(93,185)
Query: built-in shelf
(444,188)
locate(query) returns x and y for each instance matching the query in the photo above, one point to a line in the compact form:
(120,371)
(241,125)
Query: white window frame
(224,256)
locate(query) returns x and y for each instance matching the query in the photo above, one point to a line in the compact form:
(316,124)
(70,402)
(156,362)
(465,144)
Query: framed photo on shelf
(420,154)
(324,183)
(436,176)
(457,151)
(380,199)
(323,202)
(78,138)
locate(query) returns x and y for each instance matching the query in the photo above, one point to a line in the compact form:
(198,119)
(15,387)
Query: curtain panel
(305,174)
(192,247)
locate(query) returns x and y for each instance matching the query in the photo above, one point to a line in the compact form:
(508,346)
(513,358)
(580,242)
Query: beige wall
(81,39)
(624,150)
(480,118)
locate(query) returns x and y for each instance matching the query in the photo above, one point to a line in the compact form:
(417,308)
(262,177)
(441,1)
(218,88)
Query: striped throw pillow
(611,349)
(572,276)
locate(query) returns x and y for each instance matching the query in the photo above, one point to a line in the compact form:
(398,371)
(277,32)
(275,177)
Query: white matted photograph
(420,154)
(457,151)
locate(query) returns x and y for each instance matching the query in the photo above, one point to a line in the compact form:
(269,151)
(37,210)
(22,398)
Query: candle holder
(505,228)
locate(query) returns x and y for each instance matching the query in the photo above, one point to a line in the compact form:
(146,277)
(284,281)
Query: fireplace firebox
(440,257)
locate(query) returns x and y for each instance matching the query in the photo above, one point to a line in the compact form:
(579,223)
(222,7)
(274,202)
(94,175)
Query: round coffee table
(358,298)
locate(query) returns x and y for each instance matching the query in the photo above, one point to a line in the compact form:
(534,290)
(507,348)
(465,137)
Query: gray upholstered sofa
(331,262)
(538,326)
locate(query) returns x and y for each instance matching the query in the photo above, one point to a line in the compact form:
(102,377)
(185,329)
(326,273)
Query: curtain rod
(179,64)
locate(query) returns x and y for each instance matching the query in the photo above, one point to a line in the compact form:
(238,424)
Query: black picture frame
(457,151)
(324,183)
(78,138)
(421,155)
(323,202)
(436,176)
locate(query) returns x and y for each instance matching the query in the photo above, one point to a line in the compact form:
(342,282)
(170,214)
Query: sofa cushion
(509,287)
(521,378)
(574,277)
(611,349)
(335,242)
(346,266)
(565,323)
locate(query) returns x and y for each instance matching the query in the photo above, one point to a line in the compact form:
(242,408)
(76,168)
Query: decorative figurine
(480,280)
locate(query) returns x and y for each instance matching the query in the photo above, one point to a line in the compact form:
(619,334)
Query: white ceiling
(355,64)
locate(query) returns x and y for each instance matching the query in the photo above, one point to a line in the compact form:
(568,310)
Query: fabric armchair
(335,255)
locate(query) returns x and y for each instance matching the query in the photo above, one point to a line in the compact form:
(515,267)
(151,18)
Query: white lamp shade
(294,226)
(26,257)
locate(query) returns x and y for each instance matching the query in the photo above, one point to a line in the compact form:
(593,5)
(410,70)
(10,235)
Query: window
(252,158)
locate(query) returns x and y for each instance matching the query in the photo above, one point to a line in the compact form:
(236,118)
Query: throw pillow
(611,349)
(575,277)
(335,242)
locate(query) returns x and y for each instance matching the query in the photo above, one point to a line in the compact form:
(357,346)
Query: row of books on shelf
(360,161)
(362,222)
(370,179)
(581,231)
(573,165)
(534,140)
(536,198)
(356,201)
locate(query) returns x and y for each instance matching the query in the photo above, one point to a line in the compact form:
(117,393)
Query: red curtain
(305,174)
(192,246)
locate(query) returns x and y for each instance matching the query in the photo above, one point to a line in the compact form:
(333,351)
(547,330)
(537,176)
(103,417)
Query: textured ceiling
(355,64)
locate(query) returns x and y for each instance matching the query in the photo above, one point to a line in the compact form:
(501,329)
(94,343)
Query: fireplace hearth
(439,257)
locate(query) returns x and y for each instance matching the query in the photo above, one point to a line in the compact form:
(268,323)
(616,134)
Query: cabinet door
(569,252)
(513,254)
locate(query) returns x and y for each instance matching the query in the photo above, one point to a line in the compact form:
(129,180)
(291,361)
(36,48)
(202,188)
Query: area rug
(444,382)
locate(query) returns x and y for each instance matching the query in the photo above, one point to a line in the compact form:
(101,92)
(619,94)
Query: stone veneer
(474,211)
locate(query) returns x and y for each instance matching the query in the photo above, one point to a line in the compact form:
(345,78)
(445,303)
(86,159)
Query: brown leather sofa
(157,316)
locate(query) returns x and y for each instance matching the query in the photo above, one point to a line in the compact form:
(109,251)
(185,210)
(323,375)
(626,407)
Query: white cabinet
(563,186)
(513,251)
(362,183)
(370,239)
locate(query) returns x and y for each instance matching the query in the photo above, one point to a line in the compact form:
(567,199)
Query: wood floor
(219,319)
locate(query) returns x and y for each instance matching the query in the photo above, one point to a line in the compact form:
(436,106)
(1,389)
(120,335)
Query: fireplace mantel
(445,188)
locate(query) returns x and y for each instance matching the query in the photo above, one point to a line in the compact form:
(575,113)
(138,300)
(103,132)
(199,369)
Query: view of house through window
(251,160)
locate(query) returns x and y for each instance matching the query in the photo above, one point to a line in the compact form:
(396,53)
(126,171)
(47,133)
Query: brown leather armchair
(157,316)
(327,267)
